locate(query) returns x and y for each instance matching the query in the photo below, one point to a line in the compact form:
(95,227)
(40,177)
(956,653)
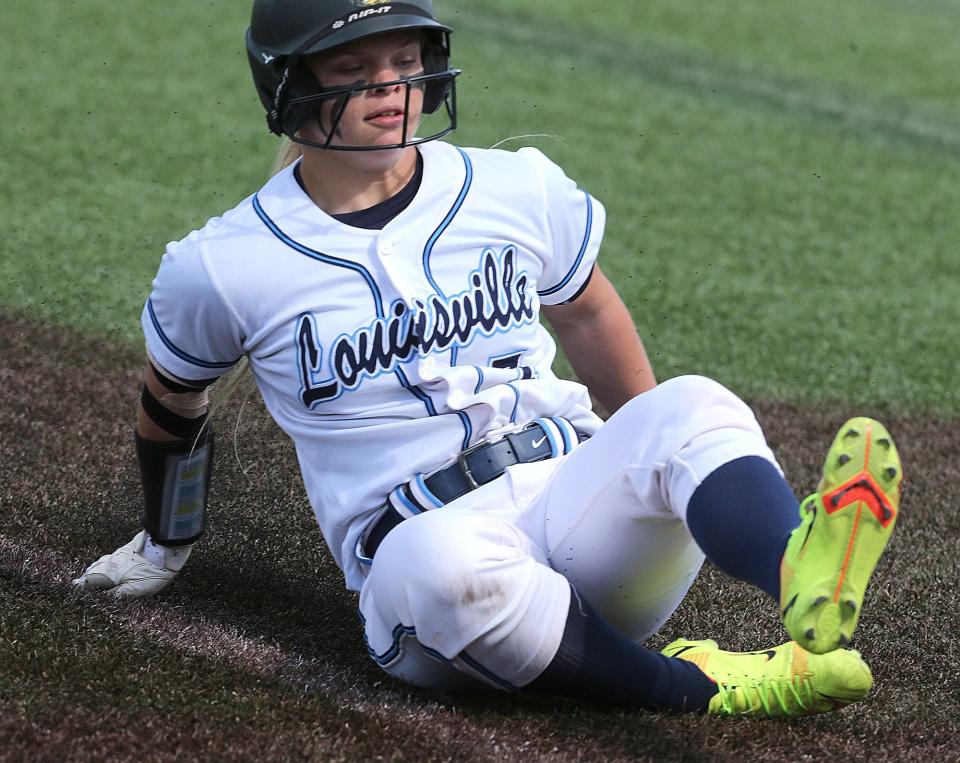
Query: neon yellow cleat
(783,682)
(844,528)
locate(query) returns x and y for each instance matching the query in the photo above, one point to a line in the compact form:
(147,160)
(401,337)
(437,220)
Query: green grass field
(782,183)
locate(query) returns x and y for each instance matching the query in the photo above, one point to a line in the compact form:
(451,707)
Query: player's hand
(127,572)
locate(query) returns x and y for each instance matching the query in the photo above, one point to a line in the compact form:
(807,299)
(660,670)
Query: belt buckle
(462,462)
(492,438)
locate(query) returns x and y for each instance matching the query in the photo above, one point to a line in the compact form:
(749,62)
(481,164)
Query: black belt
(476,466)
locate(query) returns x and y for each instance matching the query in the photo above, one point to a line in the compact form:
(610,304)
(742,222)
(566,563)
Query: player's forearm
(608,357)
(175,457)
(175,451)
(596,331)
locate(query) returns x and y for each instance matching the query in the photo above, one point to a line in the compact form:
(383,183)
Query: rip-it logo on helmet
(361,15)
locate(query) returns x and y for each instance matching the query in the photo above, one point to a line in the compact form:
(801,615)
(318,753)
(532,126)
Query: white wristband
(153,553)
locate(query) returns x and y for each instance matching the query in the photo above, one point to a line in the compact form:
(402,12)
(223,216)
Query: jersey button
(385,247)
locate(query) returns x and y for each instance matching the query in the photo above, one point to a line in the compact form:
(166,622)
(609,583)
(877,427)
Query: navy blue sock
(741,516)
(595,661)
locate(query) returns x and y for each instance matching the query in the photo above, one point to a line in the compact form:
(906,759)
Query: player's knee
(699,388)
(690,396)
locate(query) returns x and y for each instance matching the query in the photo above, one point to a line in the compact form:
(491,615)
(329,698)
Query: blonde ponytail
(289,153)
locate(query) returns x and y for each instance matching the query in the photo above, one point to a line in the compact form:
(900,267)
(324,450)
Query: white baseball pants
(478,591)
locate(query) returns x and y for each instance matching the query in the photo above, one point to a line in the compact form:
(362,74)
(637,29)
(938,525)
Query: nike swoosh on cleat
(787,608)
(837,701)
(680,651)
(834,699)
(770,653)
(809,529)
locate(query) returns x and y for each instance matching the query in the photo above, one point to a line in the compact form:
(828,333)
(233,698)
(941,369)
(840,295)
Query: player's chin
(371,142)
(370,139)
(388,138)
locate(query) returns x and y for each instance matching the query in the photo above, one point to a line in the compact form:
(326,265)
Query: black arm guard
(176,480)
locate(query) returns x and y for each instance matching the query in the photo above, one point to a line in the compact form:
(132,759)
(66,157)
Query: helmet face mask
(283,33)
(439,85)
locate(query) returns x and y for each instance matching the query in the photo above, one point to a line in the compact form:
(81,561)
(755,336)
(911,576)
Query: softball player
(388,290)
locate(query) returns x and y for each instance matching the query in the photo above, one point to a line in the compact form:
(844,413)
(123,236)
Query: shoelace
(796,686)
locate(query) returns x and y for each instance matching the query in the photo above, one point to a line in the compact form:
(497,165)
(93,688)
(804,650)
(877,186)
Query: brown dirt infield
(255,652)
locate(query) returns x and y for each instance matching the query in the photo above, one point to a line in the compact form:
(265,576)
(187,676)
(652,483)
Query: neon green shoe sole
(783,682)
(844,529)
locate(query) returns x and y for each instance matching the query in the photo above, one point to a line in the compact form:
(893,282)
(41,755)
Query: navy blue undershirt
(377,216)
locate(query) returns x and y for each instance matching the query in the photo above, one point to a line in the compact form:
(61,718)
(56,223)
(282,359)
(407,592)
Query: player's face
(376,116)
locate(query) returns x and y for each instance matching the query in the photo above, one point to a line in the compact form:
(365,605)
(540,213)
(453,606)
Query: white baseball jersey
(383,353)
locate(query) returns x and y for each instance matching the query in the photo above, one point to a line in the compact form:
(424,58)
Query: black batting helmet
(283,32)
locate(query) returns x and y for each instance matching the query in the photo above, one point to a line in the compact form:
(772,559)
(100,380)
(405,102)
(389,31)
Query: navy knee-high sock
(595,661)
(741,516)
